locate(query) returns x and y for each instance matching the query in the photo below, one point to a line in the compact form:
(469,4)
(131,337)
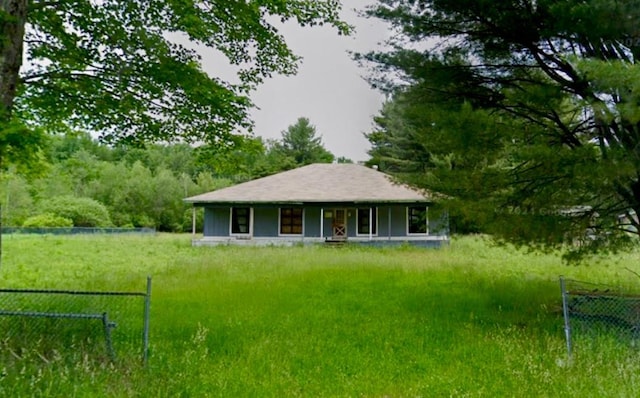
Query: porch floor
(428,241)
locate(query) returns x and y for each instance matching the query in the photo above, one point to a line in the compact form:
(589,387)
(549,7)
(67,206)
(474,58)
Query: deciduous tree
(115,66)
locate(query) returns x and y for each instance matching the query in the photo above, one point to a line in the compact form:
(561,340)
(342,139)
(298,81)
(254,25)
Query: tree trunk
(13,15)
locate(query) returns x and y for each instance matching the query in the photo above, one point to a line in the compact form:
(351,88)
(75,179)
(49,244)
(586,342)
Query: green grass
(467,320)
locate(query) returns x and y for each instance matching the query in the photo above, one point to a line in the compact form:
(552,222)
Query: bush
(143,221)
(47,220)
(84,212)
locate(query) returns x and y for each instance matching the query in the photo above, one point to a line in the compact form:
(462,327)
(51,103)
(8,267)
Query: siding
(399,221)
(266,222)
(216,221)
(312,222)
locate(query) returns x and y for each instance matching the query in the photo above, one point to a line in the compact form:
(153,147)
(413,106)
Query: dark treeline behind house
(84,183)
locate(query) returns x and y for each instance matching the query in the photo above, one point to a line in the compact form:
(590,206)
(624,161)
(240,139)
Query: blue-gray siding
(391,221)
(265,222)
(216,221)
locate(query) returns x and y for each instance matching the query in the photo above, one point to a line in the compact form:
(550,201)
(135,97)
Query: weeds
(467,320)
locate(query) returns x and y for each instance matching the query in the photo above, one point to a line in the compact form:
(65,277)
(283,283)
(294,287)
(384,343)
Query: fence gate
(597,310)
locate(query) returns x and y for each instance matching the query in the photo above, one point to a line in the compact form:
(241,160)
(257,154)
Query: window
(417,220)
(290,221)
(240,219)
(366,226)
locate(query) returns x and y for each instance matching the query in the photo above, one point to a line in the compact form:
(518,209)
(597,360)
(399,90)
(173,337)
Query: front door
(339,224)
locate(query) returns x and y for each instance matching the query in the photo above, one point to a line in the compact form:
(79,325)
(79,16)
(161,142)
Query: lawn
(467,320)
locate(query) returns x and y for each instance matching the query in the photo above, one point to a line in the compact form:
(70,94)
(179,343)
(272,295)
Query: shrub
(144,221)
(47,220)
(84,212)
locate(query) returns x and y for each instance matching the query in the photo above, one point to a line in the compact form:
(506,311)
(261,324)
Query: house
(321,203)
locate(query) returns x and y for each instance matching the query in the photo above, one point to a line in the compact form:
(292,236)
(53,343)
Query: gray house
(321,203)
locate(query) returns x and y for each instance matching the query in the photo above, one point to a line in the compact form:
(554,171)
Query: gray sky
(328,89)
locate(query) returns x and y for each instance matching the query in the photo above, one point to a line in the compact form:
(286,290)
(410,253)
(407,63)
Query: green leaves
(300,143)
(20,146)
(526,112)
(127,69)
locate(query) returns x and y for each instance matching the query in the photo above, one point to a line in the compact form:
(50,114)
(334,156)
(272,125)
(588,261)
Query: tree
(15,198)
(84,212)
(525,113)
(118,68)
(300,144)
(238,164)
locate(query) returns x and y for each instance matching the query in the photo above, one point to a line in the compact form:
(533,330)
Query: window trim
(280,233)
(375,216)
(250,226)
(426,211)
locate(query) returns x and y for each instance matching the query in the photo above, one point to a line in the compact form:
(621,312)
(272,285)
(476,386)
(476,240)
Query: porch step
(335,242)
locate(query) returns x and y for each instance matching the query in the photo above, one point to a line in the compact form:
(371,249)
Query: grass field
(468,320)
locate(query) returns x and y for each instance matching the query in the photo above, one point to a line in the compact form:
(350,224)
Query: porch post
(193,222)
(251,223)
(427,217)
(389,222)
(370,223)
(322,222)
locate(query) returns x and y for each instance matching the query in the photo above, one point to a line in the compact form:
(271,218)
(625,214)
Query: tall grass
(467,320)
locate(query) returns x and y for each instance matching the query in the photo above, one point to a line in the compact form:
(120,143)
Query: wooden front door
(339,224)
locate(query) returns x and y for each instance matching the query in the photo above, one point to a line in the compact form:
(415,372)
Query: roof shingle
(317,183)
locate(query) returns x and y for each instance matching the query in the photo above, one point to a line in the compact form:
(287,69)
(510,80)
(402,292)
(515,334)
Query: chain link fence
(74,230)
(75,324)
(595,310)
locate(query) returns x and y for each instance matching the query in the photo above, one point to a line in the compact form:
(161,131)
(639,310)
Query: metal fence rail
(92,322)
(596,310)
(74,230)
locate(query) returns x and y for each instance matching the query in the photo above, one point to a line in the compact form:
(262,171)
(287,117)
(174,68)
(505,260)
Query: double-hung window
(290,221)
(240,220)
(368,221)
(417,220)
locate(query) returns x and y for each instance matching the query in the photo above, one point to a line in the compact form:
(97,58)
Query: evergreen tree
(301,144)
(523,113)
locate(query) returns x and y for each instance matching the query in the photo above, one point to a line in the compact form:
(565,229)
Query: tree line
(80,181)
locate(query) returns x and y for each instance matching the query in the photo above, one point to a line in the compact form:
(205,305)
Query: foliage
(142,187)
(238,163)
(84,212)
(20,145)
(47,220)
(16,200)
(252,158)
(523,113)
(62,147)
(300,144)
(469,320)
(129,70)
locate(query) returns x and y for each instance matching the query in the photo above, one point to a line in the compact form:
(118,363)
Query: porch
(433,241)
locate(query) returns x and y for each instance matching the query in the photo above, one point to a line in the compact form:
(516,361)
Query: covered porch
(375,224)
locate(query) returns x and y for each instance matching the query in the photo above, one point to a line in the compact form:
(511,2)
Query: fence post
(1,223)
(147,314)
(107,335)
(565,312)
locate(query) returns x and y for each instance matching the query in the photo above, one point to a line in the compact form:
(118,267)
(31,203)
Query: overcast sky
(329,88)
